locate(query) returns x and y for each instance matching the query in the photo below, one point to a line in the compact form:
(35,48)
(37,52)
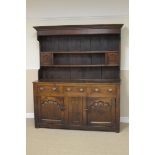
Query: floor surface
(75,142)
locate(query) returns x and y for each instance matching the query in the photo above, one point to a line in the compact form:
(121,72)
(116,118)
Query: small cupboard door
(52,110)
(100,111)
(75,110)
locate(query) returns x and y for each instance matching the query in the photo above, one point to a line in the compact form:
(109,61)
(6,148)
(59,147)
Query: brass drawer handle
(96,89)
(68,89)
(54,88)
(110,90)
(81,89)
(41,88)
(86,109)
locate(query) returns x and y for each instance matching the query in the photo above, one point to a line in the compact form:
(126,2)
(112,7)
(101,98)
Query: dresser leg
(117,128)
(36,123)
(117,131)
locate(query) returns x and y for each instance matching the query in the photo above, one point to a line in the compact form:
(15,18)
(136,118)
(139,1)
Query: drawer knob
(110,90)
(81,89)
(41,88)
(96,89)
(68,89)
(54,88)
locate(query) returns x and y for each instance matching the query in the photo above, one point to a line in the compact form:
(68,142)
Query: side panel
(75,109)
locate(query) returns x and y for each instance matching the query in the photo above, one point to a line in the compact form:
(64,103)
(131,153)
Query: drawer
(75,90)
(50,88)
(102,90)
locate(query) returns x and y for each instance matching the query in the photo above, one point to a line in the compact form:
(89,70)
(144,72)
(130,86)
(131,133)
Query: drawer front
(75,90)
(50,88)
(102,90)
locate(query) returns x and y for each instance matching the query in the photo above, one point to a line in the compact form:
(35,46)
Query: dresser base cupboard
(77,106)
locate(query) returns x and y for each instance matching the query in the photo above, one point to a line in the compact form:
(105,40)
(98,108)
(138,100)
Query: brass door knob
(86,109)
(62,107)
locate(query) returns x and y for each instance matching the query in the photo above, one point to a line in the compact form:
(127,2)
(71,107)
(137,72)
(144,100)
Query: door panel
(100,111)
(75,109)
(51,109)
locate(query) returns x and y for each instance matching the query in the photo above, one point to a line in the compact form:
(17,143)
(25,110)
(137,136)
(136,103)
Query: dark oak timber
(78,83)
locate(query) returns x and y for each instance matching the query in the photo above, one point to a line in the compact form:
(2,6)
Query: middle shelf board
(78,59)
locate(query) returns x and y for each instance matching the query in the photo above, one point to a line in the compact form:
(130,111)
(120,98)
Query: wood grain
(78,83)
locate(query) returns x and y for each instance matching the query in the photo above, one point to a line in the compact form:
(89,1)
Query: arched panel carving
(99,106)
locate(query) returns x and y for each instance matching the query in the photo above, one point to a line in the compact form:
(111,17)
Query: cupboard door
(46,58)
(100,111)
(75,110)
(51,110)
(112,58)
